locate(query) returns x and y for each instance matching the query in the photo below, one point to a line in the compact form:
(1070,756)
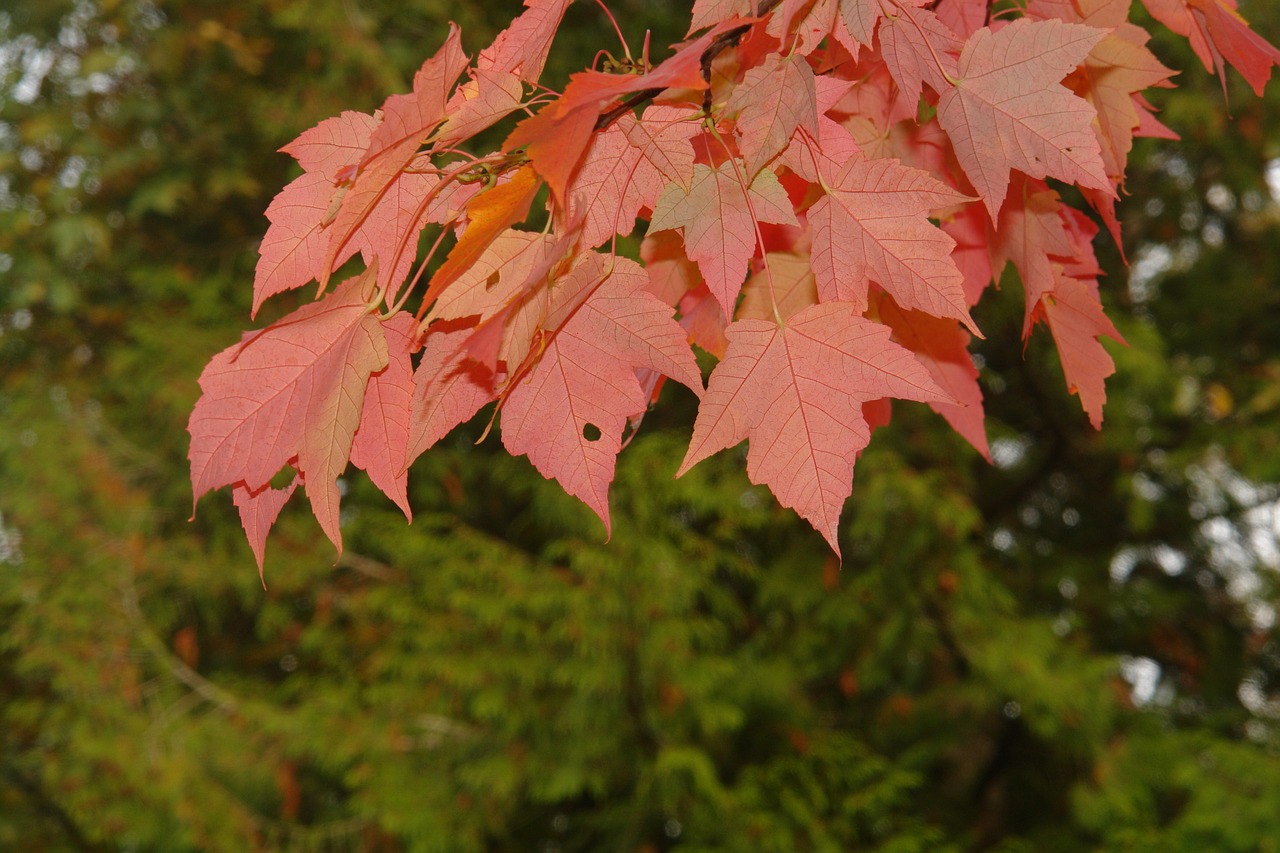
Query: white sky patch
(1273,179)
(1149,262)
(10,544)
(35,65)
(1008,452)
(1143,675)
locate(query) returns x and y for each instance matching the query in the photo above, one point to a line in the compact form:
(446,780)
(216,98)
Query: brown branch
(721,43)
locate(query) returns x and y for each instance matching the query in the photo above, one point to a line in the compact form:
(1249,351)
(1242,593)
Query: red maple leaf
(861,16)
(872,225)
(963,17)
(805,23)
(381,441)
(291,394)
(1117,68)
(522,47)
(449,388)
(495,279)
(1219,35)
(1008,111)
(569,413)
(618,178)
(258,513)
(1074,314)
(293,250)
(796,391)
(407,121)
(490,214)
(556,138)
(771,103)
(919,48)
(942,346)
(717,218)
(1033,235)
(782,287)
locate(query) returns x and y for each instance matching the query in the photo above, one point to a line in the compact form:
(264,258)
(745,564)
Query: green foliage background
(1071,650)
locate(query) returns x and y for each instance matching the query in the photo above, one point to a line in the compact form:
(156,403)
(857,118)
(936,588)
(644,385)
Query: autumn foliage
(825,189)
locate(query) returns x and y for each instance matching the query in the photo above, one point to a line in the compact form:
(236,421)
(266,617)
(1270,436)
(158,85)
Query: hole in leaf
(591,432)
(283,478)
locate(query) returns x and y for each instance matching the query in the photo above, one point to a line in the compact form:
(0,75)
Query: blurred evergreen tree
(1071,650)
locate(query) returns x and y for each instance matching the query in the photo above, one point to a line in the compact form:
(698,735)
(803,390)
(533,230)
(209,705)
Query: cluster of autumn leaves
(829,187)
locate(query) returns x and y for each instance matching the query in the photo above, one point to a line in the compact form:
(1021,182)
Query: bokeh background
(1072,649)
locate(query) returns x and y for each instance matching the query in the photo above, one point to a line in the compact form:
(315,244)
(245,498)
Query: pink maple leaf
(773,100)
(1008,110)
(568,414)
(290,394)
(1074,314)
(873,226)
(796,391)
(717,216)
(381,440)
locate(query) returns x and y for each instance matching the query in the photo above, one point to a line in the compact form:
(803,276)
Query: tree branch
(721,43)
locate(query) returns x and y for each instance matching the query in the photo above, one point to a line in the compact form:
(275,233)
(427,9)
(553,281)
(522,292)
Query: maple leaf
(832,145)
(784,284)
(293,249)
(1219,35)
(717,218)
(381,440)
(1074,314)
(494,279)
(258,513)
(449,388)
(771,102)
(568,414)
(496,89)
(407,121)
(970,228)
(919,48)
(290,394)
(334,144)
(709,12)
(671,273)
(610,187)
(522,47)
(556,138)
(491,213)
(701,317)
(1007,109)
(872,113)
(805,23)
(1104,14)
(663,138)
(796,391)
(943,348)
(1117,68)
(792,144)
(872,225)
(387,233)
(478,104)
(1032,234)
(963,17)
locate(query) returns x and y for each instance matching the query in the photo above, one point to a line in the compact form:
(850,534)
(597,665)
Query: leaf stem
(625,47)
